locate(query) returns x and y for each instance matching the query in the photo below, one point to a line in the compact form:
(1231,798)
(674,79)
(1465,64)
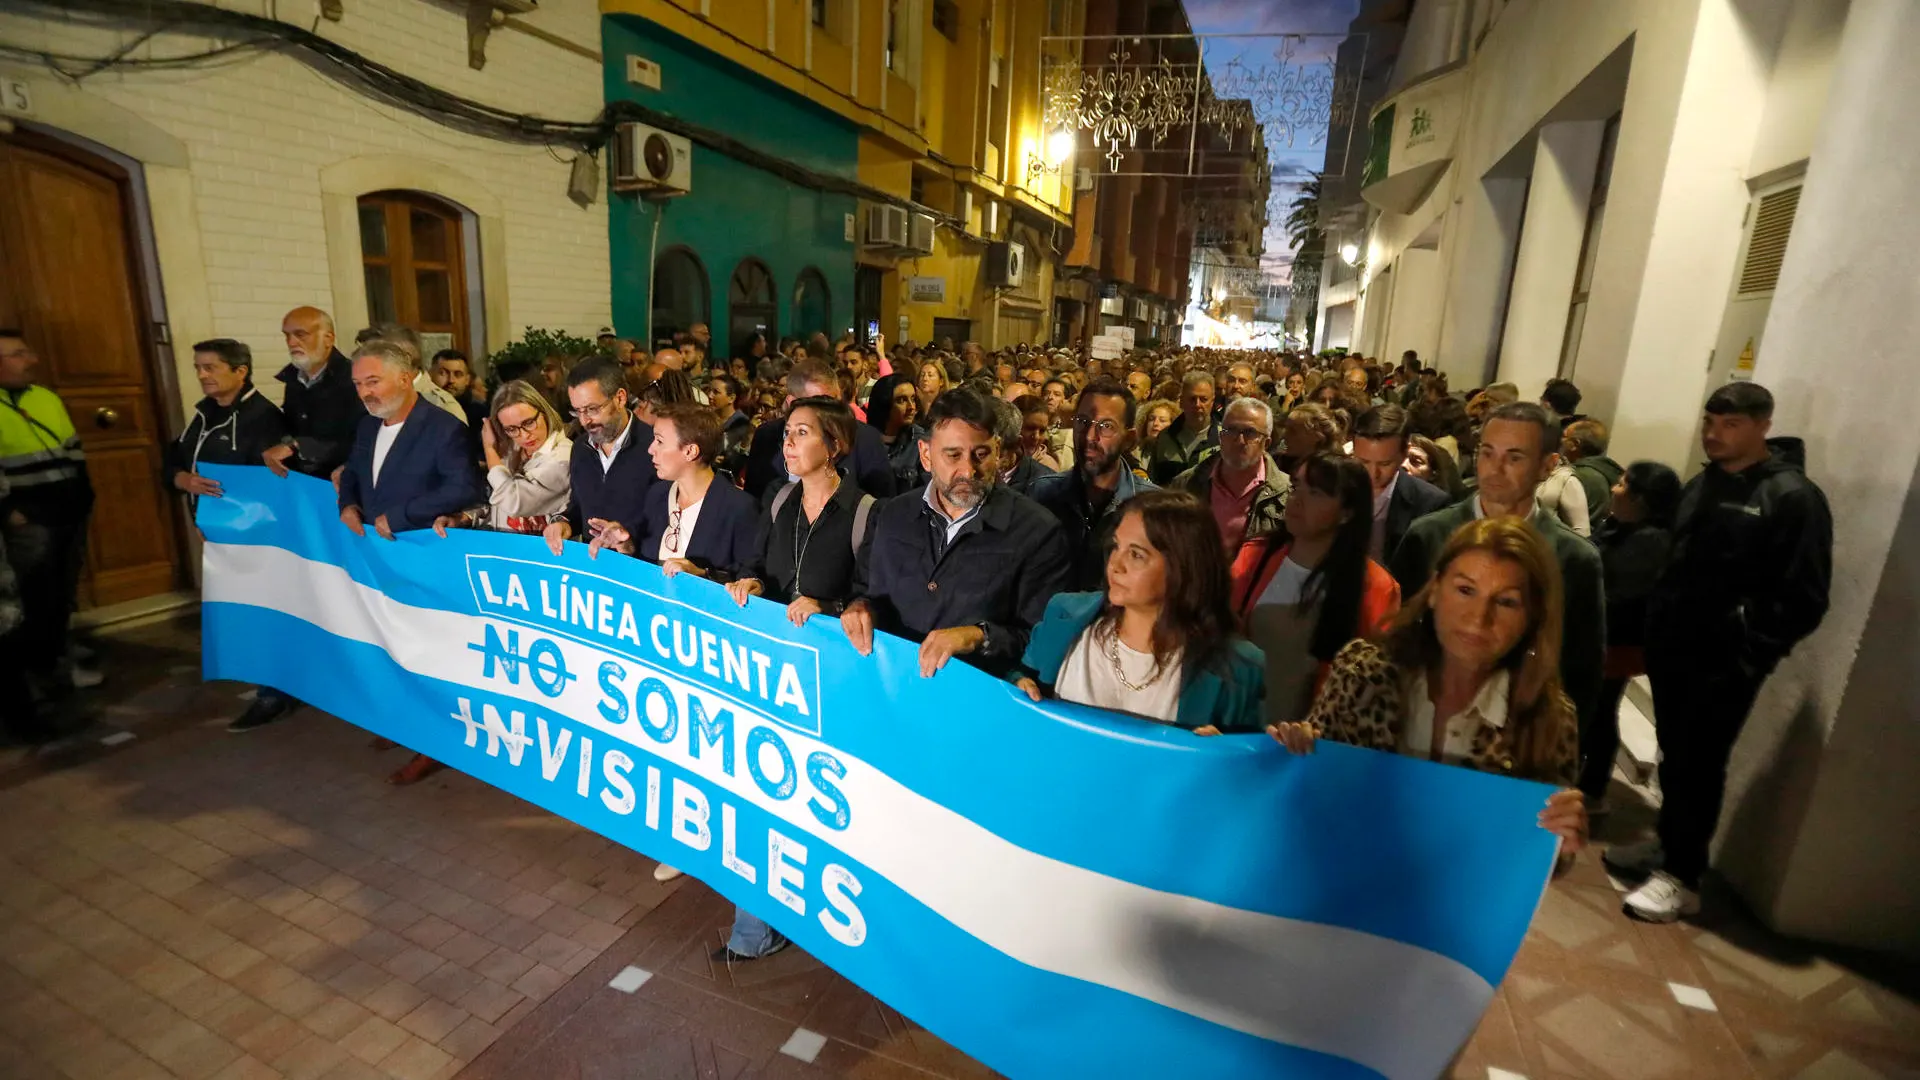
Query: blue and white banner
(1057,891)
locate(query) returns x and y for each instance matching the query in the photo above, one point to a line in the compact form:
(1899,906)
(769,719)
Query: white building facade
(178,192)
(1651,197)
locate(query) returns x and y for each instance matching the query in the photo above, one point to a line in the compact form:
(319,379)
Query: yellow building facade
(946,98)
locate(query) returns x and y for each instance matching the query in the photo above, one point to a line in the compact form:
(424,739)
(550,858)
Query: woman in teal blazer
(1161,641)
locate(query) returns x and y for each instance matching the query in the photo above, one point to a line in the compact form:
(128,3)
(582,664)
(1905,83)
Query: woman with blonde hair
(1310,429)
(1468,674)
(930,381)
(1155,417)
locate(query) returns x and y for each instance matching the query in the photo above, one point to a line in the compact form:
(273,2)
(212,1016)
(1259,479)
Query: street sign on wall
(927,290)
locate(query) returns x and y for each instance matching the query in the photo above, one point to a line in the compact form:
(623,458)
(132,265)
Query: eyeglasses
(1106,429)
(595,412)
(673,530)
(517,430)
(1244,434)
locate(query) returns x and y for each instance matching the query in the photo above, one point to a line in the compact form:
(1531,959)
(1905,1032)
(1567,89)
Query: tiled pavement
(189,903)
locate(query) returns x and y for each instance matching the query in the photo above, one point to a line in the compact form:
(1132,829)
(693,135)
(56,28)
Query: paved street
(188,903)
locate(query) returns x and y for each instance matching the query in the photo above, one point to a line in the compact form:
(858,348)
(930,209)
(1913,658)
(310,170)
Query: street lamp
(1059,146)
(1350,253)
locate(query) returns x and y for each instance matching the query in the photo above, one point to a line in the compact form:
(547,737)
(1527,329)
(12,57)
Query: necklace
(1120,673)
(800,522)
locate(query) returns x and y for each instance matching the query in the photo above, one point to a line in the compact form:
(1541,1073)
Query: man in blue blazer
(408,465)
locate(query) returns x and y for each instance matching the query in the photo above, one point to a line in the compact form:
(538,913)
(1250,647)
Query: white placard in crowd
(1105,347)
(1124,333)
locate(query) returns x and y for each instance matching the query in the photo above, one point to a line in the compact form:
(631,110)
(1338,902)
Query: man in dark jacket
(1584,443)
(1399,499)
(1516,454)
(234,424)
(1752,563)
(1087,499)
(321,411)
(965,567)
(610,470)
(409,463)
(1193,433)
(1244,487)
(868,463)
(319,402)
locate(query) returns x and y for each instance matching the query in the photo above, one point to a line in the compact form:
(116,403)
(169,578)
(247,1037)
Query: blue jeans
(750,936)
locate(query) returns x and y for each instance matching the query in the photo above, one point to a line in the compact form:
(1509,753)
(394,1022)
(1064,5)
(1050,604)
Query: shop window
(413,259)
(812,305)
(750,306)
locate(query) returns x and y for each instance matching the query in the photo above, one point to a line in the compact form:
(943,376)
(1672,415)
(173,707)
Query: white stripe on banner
(1324,988)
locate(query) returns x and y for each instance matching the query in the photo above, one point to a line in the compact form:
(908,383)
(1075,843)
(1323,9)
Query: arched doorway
(750,306)
(67,214)
(680,295)
(413,257)
(812,305)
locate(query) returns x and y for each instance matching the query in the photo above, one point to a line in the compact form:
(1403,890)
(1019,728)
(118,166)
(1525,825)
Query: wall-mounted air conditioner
(1007,264)
(646,159)
(886,227)
(920,233)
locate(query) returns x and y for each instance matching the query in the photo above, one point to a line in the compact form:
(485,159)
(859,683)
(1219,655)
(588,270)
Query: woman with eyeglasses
(892,408)
(1304,592)
(811,531)
(689,524)
(528,482)
(1159,641)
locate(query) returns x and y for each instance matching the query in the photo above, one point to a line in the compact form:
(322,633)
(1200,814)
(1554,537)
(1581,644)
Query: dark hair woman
(1468,674)
(1160,640)
(810,533)
(1430,461)
(892,408)
(1306,591)
(1635,541)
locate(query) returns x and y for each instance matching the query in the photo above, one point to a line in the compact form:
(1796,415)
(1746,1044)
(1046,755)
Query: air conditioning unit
(886,227)
(1140,309)
(648,160)
(990,220)
(1083,180)
(920,233)
(963,205)
(1006,263)
(1112,305)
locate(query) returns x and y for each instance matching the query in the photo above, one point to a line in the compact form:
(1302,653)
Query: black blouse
(801,558)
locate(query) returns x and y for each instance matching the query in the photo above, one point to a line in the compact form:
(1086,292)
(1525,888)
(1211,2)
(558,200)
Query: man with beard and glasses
(965,567)
(1087,499)
(610,469)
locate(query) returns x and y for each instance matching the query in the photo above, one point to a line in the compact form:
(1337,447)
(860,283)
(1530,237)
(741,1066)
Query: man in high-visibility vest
(46,509)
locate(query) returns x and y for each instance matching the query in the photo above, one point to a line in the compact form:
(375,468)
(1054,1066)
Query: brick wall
(260,129)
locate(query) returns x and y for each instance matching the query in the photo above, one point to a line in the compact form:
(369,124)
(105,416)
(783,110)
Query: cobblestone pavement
(180,902)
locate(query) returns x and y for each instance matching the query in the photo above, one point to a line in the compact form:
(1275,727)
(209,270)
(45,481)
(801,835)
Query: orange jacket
(1253,570)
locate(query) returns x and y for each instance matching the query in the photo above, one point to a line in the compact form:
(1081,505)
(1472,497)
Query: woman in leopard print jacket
(1468,673)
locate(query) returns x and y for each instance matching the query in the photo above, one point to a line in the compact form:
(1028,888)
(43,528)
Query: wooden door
(71,286)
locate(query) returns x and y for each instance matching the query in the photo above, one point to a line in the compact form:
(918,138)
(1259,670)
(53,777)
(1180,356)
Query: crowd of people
(1314,547)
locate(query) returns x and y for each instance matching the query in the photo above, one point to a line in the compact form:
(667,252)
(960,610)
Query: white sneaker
(664,873)
(1662,899)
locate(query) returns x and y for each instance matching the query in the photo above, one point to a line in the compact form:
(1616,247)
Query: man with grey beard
(409,465)
(967,565)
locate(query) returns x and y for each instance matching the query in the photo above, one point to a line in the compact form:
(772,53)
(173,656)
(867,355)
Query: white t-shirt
(1087,678)
(383,442)
(688,518)
(1287,582)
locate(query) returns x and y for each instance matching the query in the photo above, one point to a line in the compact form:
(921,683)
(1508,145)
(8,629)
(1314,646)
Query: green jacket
(1227,692)
(1583,631)
(1267,515)
(1597,476)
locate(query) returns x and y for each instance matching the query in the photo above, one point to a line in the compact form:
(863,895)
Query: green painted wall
(734,211)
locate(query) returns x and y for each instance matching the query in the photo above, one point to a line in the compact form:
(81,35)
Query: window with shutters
(413,258)
(1589,248)
(1767,246)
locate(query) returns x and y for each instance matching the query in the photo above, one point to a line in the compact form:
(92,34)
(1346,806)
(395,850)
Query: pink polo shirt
(1230,506)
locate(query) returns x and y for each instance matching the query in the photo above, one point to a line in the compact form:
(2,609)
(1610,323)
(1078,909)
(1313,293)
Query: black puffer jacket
(1752,563)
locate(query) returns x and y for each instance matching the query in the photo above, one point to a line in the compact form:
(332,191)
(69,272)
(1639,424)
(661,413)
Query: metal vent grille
(1767,249)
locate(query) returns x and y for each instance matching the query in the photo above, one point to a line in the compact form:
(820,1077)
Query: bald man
(671,359)
(319,401)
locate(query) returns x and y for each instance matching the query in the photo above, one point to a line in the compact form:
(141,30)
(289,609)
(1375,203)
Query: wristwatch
(986,637)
